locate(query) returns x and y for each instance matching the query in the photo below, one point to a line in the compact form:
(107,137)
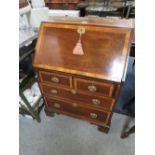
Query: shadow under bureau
(81,65)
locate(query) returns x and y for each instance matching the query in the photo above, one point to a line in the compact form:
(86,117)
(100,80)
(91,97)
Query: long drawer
(78,110)
(104,103)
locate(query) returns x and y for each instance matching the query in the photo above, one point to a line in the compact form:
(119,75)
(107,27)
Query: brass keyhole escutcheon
(54,91)
(73,91)
(81,30)
(56,105)
(74,105)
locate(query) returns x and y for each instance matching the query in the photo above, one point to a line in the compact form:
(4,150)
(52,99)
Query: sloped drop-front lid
(105,49)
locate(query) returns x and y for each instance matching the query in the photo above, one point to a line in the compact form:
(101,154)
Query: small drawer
(78,110)
(55,78)
(104,103)
(94,87)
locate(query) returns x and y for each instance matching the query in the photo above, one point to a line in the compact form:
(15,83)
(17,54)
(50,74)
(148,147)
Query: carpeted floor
(62,135)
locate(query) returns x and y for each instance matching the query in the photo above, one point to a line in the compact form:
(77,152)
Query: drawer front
(56,78)
(76,109)
(97,102)
(94,87)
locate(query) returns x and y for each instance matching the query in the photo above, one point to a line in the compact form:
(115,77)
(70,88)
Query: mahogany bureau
(81,65)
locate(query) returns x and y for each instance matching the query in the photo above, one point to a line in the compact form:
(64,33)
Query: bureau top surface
(105,45)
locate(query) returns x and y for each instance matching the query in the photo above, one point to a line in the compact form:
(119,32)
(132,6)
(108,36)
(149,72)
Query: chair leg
(129,103)
(127,133)
(133,63)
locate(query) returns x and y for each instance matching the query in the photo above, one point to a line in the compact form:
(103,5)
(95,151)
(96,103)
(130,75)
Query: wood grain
(79,97)
(106,44)
(66,107)
(108,54)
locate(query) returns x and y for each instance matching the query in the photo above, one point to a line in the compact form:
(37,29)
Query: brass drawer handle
(93,115)
(74,105)
(56,105)
(54,91)
(96,101)
(55,79)
(92,88)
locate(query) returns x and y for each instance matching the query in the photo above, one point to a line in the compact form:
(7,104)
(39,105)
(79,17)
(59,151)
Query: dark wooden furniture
(62,4)
(83,86)
(104,8)
(131,10)
(107,8)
